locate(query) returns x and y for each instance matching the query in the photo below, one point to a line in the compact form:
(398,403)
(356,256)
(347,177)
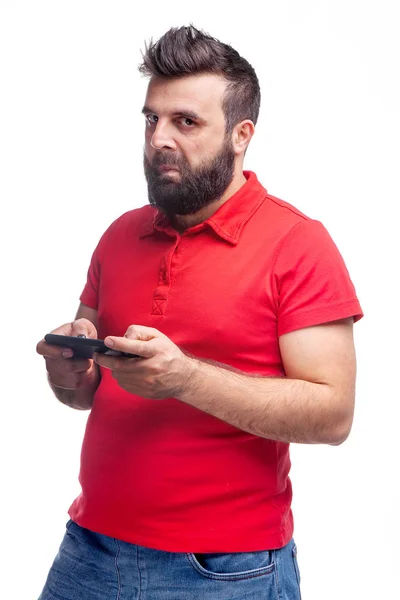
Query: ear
(241,136)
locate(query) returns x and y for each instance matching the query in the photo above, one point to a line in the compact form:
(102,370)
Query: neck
(183,222)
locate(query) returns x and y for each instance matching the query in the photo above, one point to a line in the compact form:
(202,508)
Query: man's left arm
(313,404)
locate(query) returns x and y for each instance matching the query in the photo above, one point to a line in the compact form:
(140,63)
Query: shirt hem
(263,541)
(319,316)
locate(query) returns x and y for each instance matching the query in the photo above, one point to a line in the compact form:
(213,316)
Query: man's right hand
(65,371)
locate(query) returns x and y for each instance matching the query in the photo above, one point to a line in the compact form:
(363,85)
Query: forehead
(203,94)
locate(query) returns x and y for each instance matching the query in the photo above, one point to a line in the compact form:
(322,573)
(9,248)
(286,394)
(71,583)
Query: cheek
(201,156)
(196,152)
(147,139)
(148,150)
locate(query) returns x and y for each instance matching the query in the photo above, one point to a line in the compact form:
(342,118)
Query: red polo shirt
(164,474)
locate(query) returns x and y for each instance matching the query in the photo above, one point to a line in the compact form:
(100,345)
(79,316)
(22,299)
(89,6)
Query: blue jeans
(91,566)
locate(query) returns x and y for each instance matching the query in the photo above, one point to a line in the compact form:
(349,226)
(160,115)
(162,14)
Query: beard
(196,187)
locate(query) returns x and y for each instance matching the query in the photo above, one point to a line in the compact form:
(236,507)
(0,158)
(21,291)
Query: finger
(76,365)
(102,360)
(50,351)
(141,332)
(63,329)
(54,351)
(78,327)
(114,363)
(83,327)
(146,349)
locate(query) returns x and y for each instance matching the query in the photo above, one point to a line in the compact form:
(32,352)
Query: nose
(162,137)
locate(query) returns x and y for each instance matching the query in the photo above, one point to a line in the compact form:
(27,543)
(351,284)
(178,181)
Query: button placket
(164,281)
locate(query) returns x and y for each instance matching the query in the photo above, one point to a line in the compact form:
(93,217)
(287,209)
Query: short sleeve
(312,282)
(102,253)
(90,294)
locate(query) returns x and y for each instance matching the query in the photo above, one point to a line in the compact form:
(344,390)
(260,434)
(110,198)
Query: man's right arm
(74,381)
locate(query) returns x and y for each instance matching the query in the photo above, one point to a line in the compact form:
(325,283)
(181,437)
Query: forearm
(287,410)
(82,397)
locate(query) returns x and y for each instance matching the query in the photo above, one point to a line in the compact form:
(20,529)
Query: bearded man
(241,310)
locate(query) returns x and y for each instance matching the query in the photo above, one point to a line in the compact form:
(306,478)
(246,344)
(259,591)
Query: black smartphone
(84,347)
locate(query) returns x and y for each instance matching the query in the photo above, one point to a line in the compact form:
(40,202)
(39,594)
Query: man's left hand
(162,372)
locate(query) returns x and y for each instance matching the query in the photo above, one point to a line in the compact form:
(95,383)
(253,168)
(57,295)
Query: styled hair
(188,51)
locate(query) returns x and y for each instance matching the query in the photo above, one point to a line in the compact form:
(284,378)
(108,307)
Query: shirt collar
(227,222)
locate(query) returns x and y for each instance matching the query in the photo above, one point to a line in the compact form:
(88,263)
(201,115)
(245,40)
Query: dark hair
(189,51)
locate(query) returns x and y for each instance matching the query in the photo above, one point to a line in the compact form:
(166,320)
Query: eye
(151,119)
(187,122)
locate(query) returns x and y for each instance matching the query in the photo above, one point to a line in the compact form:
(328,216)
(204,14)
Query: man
(242,310)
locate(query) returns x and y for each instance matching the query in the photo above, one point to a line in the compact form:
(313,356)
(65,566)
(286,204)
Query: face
(188,159)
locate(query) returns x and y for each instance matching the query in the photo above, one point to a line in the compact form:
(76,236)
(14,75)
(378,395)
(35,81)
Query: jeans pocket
(233,566)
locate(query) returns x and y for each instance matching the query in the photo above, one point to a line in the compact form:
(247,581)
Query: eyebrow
(178,113)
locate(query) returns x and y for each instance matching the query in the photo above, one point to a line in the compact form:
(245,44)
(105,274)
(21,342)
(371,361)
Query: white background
(71,139)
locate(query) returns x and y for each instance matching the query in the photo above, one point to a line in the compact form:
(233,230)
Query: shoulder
(133,220)
(293,232)
(277,213)
(125,230)
(131,223)
(283,222)
(283,214)
(287,221)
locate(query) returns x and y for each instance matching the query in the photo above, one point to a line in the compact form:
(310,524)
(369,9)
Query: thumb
(84,327)
(142,333)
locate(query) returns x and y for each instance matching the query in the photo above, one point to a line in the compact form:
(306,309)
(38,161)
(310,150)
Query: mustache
(166,159)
